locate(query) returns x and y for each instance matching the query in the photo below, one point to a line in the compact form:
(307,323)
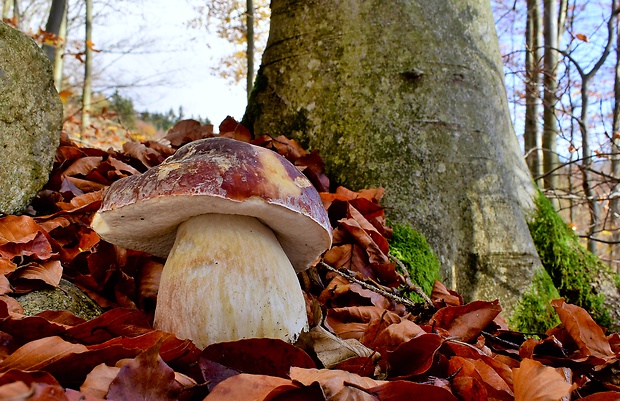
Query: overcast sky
(180,56)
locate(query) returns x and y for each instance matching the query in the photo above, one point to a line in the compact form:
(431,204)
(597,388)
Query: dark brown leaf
(147,377)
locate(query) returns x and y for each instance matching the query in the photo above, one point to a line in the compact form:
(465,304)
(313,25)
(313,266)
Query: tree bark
(250,45)
(54,21)
(6,7)
(409,96)
(615,155)
(533,55)
(88,63)
(550,128)
(59,53)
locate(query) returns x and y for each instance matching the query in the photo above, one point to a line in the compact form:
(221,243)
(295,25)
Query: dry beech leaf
(441,295)
(17,229)
(147,377)
(98,381)
(535,382)
(335,384)
(415,356)
(582,37)
(83,166)
(604,396)
(467,321)
(251,387)
(402,390)
(50,272)
(332,350)
(38,354)
(268,356)
(588,335)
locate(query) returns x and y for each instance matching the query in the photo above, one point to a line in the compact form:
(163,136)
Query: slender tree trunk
(16,14)
(59,54)
(533,56)
(88,62)
(250,45)
(550,128)
(615,156)
(588,180)
(409,96)
(54,21)
(6,8)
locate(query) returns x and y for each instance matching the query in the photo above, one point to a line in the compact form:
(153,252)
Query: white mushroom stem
(227,278)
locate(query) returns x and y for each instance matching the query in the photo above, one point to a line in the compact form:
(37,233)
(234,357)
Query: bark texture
(409,96)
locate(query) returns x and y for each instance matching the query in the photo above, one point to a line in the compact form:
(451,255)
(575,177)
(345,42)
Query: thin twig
(407,302)
(416,288)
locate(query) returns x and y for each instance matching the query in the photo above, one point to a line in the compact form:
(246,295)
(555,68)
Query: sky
(173,69)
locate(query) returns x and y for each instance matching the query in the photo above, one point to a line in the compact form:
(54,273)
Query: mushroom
(236,222)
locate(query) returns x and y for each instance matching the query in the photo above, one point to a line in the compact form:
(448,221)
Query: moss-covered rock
(66,297)
(580,276)
(30,119)
(410,247)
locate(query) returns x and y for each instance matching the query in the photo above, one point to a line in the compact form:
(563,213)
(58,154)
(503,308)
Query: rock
(67,297)
(30,119)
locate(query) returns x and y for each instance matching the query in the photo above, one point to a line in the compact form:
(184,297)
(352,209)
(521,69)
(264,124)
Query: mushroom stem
(227,278)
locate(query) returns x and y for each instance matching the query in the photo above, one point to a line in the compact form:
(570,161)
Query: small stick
(407,302)
(418,290)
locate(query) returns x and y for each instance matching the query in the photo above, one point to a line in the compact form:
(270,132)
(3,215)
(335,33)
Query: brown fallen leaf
(535,382)
(414,357)
(332,350)
(584,331)
(467,321)
(38,354)
(147,377)
(336,384)
(253,387)
(268,356)
(402,390)
(97,382)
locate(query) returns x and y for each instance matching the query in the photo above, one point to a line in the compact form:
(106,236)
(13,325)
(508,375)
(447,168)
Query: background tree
(244,25)
(409,97)
(533,56)
(88,66)
(57,14)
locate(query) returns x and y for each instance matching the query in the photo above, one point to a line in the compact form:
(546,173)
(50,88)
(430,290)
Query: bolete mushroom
(236,222)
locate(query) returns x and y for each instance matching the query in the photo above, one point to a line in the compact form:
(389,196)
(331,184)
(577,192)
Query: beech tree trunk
(550,130)
(615,156)
(250,45)
(409,96)
(6,6)
(54,21)
(88,67)
(533,56)
(60,52)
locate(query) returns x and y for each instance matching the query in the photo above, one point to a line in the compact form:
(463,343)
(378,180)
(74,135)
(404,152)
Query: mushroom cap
(216,175)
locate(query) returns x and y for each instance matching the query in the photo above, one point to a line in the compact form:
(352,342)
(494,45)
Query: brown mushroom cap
(216,175)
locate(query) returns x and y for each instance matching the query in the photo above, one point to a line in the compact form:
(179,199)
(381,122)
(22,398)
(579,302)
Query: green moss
(534,313)
(571,267)
(410,247)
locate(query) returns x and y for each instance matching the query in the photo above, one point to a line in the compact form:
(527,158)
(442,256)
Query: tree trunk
(6,7)
(550,130)
(60,52)
(615,157)
(533,55)
(250,46)
(16,14)
(88,63)
(409,96)
(54,21)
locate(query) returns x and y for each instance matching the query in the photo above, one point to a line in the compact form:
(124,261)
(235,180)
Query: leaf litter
(366,342)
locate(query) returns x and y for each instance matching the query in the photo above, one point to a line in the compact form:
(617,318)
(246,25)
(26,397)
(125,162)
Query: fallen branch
(396,298)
